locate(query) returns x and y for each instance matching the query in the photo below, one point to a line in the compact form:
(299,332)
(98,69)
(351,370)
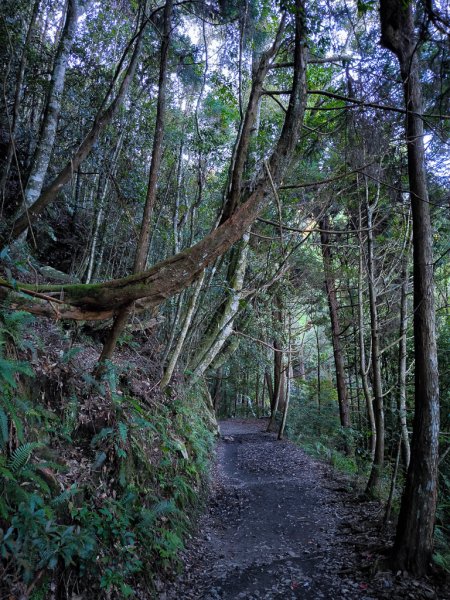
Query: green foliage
(312,416)
(318,431)
(131,518)
(35,541)
(21,455)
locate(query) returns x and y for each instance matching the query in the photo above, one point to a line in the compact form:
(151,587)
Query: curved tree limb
(171,276)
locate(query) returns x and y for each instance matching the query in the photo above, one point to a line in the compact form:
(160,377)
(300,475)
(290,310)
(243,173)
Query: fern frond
(21,455)
(101,435)
(30,475)
(10,409)
(123,431)
(65,495)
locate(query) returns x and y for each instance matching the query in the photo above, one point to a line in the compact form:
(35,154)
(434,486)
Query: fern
(12,325)
(101,435)
(123,431)
(150,515)
(11,410)
(30,475)
(9,368)
(65,495)
(21,455)
(71,353)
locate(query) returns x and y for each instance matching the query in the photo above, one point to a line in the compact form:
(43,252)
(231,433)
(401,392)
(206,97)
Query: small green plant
(130,517)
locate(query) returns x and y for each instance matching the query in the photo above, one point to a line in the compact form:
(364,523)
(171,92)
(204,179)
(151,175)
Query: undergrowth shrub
(123,520)
(314,424)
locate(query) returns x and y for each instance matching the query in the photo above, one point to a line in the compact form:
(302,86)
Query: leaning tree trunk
(101,121)
(222,327)
(46,140)
(413,545)
(192,306)
(344,411)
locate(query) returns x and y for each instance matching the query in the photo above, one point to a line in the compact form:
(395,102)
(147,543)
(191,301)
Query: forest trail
(281,525)
(270,523)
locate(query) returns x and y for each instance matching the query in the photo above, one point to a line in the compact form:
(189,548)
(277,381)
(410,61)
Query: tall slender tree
(415,532)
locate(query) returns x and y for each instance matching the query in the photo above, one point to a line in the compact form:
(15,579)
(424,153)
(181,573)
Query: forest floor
(281,525)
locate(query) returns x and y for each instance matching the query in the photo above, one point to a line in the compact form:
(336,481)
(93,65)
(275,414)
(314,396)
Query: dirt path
(273,528)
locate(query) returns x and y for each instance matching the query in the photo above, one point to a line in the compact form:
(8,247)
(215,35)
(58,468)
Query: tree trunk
(247,128)
(223,324)
(402,354)
(344,411)
(378,459)
(362,353)
(278,387)
(46,140)
(176,249)
(289,376)
(415,531)
(103,190)
(183,333)
(144,234)
(103,118)
(268,380)
(318,372)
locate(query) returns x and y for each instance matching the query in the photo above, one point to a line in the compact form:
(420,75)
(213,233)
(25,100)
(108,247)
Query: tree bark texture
(47,135)
(415,531)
